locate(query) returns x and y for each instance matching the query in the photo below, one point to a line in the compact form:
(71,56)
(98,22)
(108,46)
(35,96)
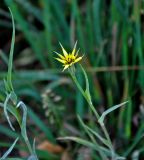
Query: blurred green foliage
(109,33)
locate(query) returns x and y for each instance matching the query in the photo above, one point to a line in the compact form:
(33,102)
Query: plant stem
(108,139)
(85,96)
(28,145)
(94,111)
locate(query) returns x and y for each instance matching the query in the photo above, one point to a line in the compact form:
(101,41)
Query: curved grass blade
(90,134)
(9,150)
(23,125)
(101,119)
(89,144)
(104,141)
(34,156)
(32,38)
(13,111)
(6,113)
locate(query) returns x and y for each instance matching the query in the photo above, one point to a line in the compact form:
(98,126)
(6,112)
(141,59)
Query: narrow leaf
(101,119)
(9,150)
(6,113)
(9,75)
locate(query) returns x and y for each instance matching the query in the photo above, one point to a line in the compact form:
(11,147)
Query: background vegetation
(110,34)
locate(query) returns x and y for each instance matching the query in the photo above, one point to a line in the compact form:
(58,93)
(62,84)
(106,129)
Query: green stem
(92,138)
(108,139)
(94,111)
(28,145)
(85,96)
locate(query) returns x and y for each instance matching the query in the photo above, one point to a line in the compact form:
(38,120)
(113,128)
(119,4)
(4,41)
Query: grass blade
(101,119)
(9,150)
(41,125)
(10,63)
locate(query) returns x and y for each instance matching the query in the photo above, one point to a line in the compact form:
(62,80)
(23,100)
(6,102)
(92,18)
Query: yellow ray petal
(78,59)
(62,57)
(65,67)
(74,49)
(64,51)
(60,60)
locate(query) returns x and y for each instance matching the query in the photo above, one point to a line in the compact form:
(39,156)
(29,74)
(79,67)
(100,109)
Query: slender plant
(12,105)
(105,149)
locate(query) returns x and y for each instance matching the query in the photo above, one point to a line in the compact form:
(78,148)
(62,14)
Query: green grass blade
(31,9)
(79,98)
(87,144)
(23,125)
(3,57)
(41,125)
(139,136)
(8,132)
(77,17)
(10,63)
(48,24)
(97,25)
(32,38)
(9,150)
(91,131)
(5,111)
(61,19)
(101,119)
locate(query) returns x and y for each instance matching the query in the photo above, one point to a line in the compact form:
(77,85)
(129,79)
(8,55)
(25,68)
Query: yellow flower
(68,59)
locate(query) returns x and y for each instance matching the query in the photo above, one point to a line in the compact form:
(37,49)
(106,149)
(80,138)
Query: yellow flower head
(68,59)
